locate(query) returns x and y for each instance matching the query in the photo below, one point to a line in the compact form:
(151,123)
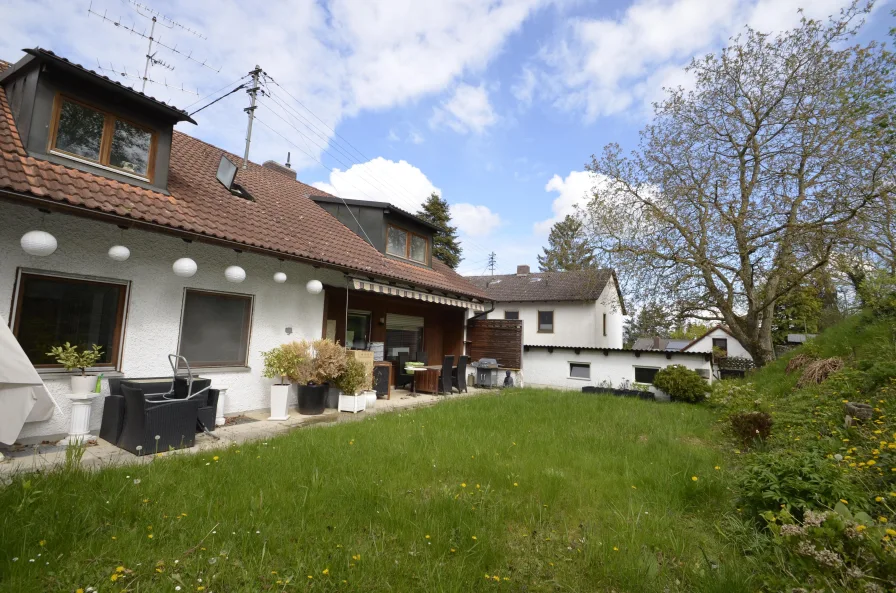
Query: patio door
(404,333)
(357,332)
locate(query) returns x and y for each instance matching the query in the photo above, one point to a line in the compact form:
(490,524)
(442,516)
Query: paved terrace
(102,454)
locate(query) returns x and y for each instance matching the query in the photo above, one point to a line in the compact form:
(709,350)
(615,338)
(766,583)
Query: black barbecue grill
(486,372)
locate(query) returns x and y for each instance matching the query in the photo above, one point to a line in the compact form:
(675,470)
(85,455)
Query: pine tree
(568,247)
(445,245)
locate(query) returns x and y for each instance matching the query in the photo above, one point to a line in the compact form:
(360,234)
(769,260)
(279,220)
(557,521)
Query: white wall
(735,348)
(576,323)
(156,296)
(551,369)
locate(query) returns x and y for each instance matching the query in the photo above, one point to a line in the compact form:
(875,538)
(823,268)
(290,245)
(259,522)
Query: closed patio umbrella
(23,396)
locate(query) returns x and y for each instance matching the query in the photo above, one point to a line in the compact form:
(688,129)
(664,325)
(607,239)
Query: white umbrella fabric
(23,396)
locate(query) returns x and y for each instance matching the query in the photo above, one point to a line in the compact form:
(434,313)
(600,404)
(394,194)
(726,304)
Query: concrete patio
(254,426)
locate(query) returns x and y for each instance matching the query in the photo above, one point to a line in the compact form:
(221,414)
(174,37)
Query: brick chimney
(522,270)
(656,342)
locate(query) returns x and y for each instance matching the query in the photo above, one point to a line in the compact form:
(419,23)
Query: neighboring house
(717,336)
(572,329)
(583,308)
(97,165)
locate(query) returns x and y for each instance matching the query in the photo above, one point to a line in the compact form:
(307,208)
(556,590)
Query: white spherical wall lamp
(184,267)
(279,277)
(119,253)
(39,243)
(314,286)
(235,274)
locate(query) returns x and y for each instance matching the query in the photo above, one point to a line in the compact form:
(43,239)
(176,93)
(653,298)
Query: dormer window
(407,245)
(85,133)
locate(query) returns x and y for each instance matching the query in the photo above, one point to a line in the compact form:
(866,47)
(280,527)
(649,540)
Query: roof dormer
(74,117)
(392,231)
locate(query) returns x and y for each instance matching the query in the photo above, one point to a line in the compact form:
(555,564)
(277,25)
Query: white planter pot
(219,412)
(81,385)
(79,429)
(352,403)
(280,402)
(371,398)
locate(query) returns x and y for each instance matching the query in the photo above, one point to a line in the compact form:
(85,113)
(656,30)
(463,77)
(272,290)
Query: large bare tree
(742,186)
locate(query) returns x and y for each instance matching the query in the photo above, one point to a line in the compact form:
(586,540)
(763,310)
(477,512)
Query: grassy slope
(563,492)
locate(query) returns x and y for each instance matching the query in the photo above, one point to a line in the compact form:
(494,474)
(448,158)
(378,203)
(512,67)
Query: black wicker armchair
(445,376)
(459,374)
(156,425)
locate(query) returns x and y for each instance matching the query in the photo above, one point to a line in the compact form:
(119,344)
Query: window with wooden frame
(86,133)
(407,245)
(545,322)
(215,328)
(50,310)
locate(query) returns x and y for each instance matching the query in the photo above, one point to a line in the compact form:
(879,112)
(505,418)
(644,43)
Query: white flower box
(351,403)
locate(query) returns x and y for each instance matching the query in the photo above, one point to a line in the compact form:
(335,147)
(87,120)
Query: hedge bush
(681,383)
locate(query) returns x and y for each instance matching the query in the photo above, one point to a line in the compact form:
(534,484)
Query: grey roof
(373,204)
(585,285)
(799,338)
(605,349)
(665,344)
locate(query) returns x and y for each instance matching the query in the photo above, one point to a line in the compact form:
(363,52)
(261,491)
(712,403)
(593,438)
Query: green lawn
(523,491)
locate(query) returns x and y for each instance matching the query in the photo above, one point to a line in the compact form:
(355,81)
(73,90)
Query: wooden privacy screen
(501,339)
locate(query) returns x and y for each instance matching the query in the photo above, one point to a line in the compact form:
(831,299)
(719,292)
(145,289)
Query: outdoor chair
(153,388)
(422,356)
(459,374)
(403,378)
(172,421)
(445,377)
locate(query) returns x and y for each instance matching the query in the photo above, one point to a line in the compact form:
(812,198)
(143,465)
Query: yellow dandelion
(325,571)
(474,537)
(891,531)
(42,542)
(149,536)
(882,519)
(115,577)
(717,468)
(844,501)
(615,549)
(515,484)
(119,569)
(427,536)
(79,590)
(694,478)
(215,458)
(878,498)
(463,484)
(860,528)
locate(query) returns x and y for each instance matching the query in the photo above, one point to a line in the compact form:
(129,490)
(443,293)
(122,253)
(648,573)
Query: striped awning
(414,294)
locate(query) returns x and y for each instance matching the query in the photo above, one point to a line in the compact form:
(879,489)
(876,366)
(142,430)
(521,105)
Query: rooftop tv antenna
(157,19)
(491,262)
(124,73)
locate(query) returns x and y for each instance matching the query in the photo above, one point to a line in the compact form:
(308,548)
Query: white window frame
(578,362)
(642,366)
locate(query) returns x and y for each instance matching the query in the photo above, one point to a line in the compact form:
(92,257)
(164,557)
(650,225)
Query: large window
(720,344)
(579,370)
(645,374)
(94,135)
(214,330)
(407,245)
(511,315)
(546,322)
(52,310)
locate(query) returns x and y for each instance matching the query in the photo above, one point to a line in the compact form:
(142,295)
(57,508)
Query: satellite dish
(226,172)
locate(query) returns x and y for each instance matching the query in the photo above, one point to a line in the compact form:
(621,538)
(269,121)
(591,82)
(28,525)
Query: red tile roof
(282,218)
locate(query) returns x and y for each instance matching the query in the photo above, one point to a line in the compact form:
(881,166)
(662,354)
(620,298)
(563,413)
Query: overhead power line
(242,86)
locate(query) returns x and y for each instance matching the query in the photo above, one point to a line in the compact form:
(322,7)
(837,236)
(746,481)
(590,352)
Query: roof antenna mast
(253,91)
(491,262)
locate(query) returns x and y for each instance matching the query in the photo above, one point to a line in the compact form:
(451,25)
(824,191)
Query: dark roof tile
(585,285)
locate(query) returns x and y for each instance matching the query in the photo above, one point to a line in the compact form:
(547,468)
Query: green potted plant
(352,379)
(279,363)
(329,363)
(71,358)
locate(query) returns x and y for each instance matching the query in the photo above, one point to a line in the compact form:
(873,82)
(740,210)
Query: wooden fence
(501,339)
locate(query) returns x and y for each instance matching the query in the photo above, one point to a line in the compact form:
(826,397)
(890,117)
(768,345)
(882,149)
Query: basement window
(645,375)
(86,133)
(579,370)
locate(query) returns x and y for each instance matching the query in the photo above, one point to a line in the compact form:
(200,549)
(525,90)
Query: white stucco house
(572,329)
(117,231)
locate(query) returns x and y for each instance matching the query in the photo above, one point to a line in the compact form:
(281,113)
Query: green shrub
(279,363)
(799,480)
(354,377)
(69,357)
(682,384)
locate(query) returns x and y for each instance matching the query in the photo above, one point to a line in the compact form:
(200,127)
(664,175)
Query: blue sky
(497,105)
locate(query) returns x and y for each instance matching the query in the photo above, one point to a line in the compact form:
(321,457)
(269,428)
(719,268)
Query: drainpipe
(478,315)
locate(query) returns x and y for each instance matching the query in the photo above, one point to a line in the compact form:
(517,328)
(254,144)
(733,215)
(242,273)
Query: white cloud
(338,57)
(604,66)
(468,110)
(524,89)
(381,180)
(474,221)
(574,191)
